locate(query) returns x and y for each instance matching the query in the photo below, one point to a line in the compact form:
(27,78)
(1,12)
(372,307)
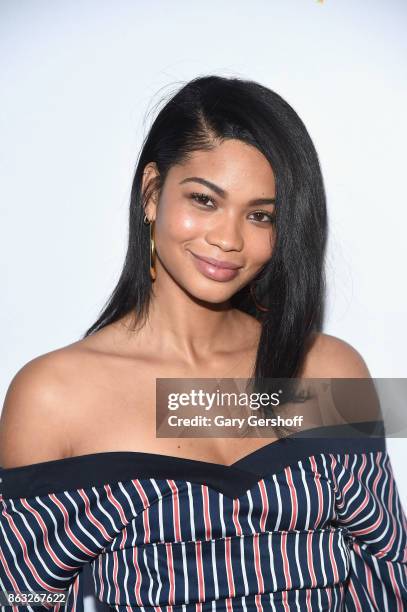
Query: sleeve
(45,542)
(367,502)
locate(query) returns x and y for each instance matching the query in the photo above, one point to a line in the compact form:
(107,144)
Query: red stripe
(116,504)
(332,557)
(138,577)
(284,599)
(286,565)
(308,599)
(355,598)
(201,582)
(257,600)
(207,518)
(45,537)
(73,538)
(91,517)
(265,505)
(259,575)
(175,510)
(395,586)
(142,493)
(293,497)
(235,517)
(28,563)
(317,480)
(170,566)
(310,559)
(75,589)
(102,584)
(10,576)
(229,571)
(115,569)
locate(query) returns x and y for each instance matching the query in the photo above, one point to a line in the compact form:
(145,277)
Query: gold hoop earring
(146,221)
(258,306)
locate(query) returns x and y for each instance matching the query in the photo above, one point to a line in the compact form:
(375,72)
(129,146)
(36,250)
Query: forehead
(232,165)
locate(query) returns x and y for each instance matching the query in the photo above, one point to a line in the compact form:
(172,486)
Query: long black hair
(200,115)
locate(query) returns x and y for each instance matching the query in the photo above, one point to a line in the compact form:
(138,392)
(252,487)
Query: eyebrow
(222,193)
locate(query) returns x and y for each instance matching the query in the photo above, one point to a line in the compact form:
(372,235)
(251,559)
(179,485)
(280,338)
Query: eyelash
(197,197)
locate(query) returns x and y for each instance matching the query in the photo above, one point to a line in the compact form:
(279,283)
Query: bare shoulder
(331,357)
(35,420)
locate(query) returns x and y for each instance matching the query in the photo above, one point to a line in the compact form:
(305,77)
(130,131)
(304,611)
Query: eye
(202,198)
(269,217)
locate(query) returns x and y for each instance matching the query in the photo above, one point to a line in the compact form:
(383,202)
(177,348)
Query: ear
(150,190)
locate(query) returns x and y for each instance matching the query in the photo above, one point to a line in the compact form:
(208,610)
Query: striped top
(304,523)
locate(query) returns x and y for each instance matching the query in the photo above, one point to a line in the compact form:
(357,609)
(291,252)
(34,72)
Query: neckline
(363,427)
(233,480)
(136,454)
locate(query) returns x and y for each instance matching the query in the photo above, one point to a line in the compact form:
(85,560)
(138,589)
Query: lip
(217,262)
(215,269)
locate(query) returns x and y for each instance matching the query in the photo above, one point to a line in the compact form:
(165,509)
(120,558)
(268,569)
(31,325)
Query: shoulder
(331,357)
(34,423)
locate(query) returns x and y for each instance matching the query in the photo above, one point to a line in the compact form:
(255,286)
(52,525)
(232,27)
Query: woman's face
(217,205)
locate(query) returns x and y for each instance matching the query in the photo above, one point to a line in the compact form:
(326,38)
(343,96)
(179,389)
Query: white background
(79,81)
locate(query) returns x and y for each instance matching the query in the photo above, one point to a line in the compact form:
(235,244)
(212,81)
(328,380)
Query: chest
(119,411)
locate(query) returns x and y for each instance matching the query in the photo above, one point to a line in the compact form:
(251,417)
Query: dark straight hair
(202,114)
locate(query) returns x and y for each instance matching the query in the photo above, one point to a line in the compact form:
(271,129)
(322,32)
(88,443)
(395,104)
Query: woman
(223,277)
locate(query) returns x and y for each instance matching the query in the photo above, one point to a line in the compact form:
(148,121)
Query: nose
(226,234)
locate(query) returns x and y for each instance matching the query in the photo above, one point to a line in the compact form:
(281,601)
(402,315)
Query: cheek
(178,224)
(260,249)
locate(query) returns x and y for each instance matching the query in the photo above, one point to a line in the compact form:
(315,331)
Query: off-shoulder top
(303,523)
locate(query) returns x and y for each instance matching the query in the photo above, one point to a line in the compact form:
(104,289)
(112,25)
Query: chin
(211,297)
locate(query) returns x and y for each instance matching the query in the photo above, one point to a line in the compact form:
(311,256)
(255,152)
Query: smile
(214,271)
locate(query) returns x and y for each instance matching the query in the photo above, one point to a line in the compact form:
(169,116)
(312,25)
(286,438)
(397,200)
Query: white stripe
(384,591)
(222,519)
(388,514)
(353,470)
(306,491)
(101,508)
(345,553)
(78,521)
(133,511)
(329,490)
(107,576)
(276,483)
(321,536)
(271,556)
(38,555)
(150,599)
(319,598)
(249,514)
(157,571)
(29,588)
(126,574)
(160,509)
(297,603)
(191,513)
(214,569)
(56,534)
(361,581)
(243,563)
(185,568)
(297,559)
(382,486)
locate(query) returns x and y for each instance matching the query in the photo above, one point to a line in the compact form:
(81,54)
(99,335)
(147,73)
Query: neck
(186,326)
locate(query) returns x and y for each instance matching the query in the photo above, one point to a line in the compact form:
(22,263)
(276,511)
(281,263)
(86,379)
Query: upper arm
(331,357)
(353,396)
(33,423)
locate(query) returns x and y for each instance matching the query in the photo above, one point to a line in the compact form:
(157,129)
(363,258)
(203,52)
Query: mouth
(215,269)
